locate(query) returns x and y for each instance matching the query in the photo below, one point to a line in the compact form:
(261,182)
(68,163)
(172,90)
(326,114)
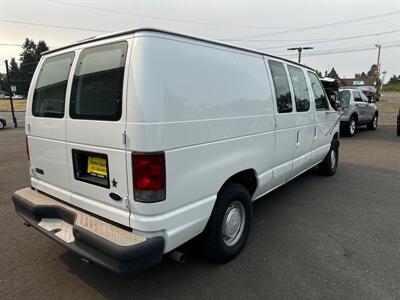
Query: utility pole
(300,49)
(378,66)
(10,92)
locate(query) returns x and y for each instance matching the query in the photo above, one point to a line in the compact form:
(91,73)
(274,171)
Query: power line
(162,18)
(346,50)
(335,40)
(53,25)
(350,51)
(17,45)
(11,45)
(322,25)
(271,40)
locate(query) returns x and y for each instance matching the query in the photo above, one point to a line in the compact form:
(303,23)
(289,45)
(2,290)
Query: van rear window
(98,81)
(51,85)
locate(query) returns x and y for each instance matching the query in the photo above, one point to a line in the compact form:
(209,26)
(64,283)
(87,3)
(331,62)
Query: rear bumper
(103,243)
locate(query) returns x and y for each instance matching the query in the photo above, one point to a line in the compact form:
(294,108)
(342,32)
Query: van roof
(131,31)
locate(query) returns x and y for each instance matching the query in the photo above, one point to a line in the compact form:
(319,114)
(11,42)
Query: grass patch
(19,105)
(394,87)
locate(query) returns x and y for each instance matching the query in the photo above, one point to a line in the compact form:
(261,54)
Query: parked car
(153,138)
(358,110)
(3,122)
(370,92)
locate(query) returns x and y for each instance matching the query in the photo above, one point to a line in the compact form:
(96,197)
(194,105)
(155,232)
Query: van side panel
(210,109)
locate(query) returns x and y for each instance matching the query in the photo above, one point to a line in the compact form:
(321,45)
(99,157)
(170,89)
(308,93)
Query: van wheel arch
(246,178)
(335,137)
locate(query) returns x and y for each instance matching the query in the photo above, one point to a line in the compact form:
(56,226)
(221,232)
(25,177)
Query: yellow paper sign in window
(97,166)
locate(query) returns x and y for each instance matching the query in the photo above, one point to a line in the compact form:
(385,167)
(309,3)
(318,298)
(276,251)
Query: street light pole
(378,66)
(300,49)
(10,92)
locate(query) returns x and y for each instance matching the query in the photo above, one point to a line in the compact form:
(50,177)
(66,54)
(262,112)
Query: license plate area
(91,167)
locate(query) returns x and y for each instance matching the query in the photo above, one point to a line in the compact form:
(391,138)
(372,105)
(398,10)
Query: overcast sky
(271,25)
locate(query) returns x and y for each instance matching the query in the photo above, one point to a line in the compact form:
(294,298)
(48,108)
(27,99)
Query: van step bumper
(92,238)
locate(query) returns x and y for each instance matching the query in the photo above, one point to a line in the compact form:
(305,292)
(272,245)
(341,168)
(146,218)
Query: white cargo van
(142,140)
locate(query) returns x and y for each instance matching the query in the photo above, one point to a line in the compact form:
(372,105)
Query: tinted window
(98,81)
(344,98)
(281,84)
(363,96)
(357,97)
(321,103)
(49,95)
(300,89)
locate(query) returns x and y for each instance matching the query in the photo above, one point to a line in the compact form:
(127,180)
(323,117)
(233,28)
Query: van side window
(321,102)
(49,95)
(98,81)
(300,88)
(281,84)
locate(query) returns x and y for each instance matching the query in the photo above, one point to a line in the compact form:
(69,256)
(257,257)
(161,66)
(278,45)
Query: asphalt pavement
(314,238)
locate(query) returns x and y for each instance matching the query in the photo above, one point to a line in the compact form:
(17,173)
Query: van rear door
(45,126)
(95,132)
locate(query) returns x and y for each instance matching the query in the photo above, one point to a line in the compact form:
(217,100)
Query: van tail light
(148,171)
(28,158)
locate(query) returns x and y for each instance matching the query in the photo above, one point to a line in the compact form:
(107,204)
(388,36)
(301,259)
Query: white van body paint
(209,107)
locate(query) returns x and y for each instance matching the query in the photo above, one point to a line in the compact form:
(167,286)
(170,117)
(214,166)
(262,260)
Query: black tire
(348,128)
(2,125)
(327,167)
(214,243)
(374,123)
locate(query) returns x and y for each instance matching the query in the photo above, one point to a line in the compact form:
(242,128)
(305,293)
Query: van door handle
(298,139)
(315,133)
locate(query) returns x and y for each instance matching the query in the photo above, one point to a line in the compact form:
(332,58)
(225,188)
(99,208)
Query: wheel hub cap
(352,126)
(333,159)
(233,223)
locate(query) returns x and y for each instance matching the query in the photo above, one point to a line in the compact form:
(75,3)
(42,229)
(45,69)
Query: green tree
(394,79)
(14,73)
(372,71)
(319,74)
(40,48)
(333,74)
(3,84)
(29,59)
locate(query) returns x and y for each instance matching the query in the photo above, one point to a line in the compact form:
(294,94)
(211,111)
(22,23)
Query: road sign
(13,88)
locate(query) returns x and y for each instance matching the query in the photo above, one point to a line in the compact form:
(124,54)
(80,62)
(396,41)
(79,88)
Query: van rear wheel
(229,225)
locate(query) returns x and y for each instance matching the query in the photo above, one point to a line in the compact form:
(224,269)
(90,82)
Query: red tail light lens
(148,172)
(27,148)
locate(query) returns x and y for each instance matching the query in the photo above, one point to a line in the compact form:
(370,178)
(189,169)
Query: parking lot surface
(314,238)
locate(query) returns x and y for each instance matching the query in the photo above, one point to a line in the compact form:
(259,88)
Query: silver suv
(358,111)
